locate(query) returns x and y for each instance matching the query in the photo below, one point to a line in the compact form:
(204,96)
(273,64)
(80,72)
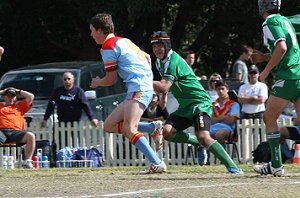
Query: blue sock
(146,127)
(143,145)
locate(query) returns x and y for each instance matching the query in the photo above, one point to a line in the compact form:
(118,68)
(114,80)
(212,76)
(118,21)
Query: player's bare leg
(275,106)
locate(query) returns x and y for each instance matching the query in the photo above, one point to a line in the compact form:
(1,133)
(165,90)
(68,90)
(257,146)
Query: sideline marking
(185,187)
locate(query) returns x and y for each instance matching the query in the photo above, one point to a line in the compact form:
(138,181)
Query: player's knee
(202,134)
(168,135)
(112,128)
(106,127)
(28,137)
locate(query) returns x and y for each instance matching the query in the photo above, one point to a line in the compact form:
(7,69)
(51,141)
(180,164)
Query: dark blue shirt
(70,104)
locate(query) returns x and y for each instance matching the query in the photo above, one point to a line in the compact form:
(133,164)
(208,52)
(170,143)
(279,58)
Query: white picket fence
(118,151)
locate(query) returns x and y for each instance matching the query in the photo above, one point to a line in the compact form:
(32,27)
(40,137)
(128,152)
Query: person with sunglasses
(211,86)
(252,96)
(70,101)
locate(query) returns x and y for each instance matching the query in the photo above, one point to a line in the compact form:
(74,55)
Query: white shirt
(257,89)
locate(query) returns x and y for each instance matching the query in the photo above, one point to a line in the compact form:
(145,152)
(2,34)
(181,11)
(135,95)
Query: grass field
(179,181)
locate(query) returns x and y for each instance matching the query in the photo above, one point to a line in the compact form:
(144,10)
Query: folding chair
(11,148)
(233,141)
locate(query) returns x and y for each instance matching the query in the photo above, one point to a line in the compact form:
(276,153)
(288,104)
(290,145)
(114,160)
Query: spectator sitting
(12,121)
(252,96)
(211,86)
(225,114)
(223,122)
(154,111)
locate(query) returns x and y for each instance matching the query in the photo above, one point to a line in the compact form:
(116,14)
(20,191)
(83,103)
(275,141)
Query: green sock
(218,150)
(273,140)
(182,137)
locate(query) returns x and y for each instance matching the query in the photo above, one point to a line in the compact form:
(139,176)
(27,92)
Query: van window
(86,79)
(40,84)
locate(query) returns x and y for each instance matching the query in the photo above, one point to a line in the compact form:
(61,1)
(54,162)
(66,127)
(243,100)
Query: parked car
(42,79)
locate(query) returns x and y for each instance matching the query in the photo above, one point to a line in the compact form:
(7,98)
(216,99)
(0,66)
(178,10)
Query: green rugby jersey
(185,87)
(277,28)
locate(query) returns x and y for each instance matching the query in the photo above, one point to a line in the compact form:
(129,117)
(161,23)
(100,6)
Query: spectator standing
(280,38)
(70,101)
(252,96)
(194,103)
(12,121)
(190,60)
(211,86)
(122,57)
(240,70)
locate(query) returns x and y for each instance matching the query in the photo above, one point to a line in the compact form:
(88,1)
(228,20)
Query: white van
(42,79)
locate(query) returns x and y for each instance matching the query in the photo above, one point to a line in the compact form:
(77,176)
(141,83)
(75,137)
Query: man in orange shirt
(12,122)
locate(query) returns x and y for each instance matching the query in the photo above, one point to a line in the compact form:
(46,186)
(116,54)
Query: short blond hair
(212,78)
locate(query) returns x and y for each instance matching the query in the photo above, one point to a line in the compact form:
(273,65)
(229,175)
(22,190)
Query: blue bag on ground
(66,154)
(93,154)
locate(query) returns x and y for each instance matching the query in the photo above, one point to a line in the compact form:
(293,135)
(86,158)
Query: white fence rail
(118,151)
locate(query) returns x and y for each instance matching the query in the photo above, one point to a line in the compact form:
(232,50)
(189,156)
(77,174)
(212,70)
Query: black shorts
(179,123)
(294,133)
(182,123)
(11,135)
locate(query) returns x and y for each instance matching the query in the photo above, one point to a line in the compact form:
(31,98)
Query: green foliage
(48,31)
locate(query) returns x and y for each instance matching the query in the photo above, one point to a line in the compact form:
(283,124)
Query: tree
(50,31)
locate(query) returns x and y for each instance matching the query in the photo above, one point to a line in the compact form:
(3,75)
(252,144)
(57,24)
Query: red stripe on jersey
(110,66)
(110,43)
(222,112)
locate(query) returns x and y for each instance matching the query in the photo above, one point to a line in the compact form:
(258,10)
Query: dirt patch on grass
(184,181)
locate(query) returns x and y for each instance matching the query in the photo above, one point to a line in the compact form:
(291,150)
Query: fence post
(245,140)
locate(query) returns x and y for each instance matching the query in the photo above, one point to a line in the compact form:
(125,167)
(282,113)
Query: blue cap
(45,158)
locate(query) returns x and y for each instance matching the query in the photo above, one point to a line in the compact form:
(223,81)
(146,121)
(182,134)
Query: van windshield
(40,84)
